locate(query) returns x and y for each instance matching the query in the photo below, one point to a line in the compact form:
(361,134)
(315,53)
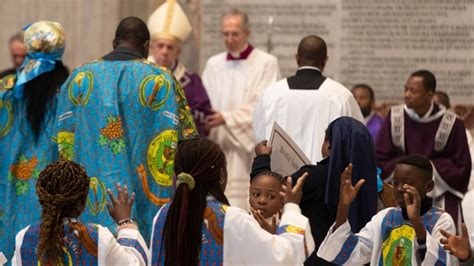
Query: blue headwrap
(45,43)
(351,142)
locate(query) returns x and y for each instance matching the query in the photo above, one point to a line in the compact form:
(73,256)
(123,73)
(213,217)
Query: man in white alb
(235,80)
(305,104)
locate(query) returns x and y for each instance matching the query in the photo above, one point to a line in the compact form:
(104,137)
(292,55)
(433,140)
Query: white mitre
(169,21)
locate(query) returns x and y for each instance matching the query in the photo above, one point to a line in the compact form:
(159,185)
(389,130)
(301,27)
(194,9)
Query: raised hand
(347,192)
(292,194)
(120,208)
(262,148)
(457,245)
(269,227)
(412,202)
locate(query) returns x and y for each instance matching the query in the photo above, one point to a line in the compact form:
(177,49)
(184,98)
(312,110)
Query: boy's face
(413,176)
(265,195)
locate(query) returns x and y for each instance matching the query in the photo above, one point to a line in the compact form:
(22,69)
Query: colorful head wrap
(45,43)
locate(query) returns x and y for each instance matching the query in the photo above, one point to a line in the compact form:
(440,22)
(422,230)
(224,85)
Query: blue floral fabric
(21,160)
(122,121)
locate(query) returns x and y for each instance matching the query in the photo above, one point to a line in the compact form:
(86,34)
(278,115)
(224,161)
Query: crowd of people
(191,165)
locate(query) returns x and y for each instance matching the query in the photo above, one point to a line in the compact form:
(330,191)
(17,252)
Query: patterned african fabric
(21,160)
(85,244)
(122,121)
(390,239)
(230,236)
(212,235)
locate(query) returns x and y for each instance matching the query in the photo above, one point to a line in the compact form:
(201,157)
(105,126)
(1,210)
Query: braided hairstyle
(182,234)
(275,175)
(62,189)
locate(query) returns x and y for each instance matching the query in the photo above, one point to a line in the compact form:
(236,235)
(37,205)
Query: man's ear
(324,62)
(146,47)
(114,44)
(429,186)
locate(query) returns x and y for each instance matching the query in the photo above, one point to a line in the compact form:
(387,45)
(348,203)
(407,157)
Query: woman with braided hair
(60,238)
(199,227)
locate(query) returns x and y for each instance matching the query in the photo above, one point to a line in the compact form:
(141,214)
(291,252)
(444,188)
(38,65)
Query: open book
(286,156)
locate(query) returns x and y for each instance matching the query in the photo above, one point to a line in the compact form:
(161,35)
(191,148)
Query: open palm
(457,245)
(348,192)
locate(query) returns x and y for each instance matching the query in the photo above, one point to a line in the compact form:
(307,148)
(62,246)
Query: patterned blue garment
(77,252)
(212,247)
(398,236)
(122,120)
(21,160)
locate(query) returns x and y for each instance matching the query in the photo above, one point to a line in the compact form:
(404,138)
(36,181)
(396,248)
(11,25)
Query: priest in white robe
(306,103)
(235,81)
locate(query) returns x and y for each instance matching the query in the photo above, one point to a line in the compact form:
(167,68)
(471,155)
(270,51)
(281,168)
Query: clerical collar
(244,54)
(428,117)
(309,67)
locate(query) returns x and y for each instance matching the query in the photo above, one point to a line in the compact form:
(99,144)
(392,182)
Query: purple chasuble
(197,97)
(373,125)
(453,163)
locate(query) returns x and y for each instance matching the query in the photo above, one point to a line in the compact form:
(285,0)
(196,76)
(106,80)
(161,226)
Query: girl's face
(265,195)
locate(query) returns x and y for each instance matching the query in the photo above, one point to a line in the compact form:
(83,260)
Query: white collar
(309,67)
(237,54)
(426,117)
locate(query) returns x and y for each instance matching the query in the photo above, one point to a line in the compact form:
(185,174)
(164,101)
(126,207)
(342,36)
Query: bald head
(312,51)
(132,32)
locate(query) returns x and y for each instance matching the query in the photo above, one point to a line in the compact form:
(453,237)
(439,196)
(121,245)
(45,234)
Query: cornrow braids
(62,186)
(276,175)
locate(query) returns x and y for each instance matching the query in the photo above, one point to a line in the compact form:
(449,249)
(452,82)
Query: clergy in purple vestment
(169,27)
(424,127)
(364,95)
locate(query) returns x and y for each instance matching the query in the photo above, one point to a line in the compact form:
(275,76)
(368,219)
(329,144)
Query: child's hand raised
(271,228)
(292,194)
(347,192)
(121,207)
(262,148)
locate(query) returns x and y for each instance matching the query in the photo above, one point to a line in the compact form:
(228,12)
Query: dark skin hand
(413,205)
(458,246)
(262,148)
(120,207)
(269,227)
(292,194)
(347,194)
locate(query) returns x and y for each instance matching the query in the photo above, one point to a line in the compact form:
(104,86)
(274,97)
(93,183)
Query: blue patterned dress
(122,121)
(21,160)
(212,247)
